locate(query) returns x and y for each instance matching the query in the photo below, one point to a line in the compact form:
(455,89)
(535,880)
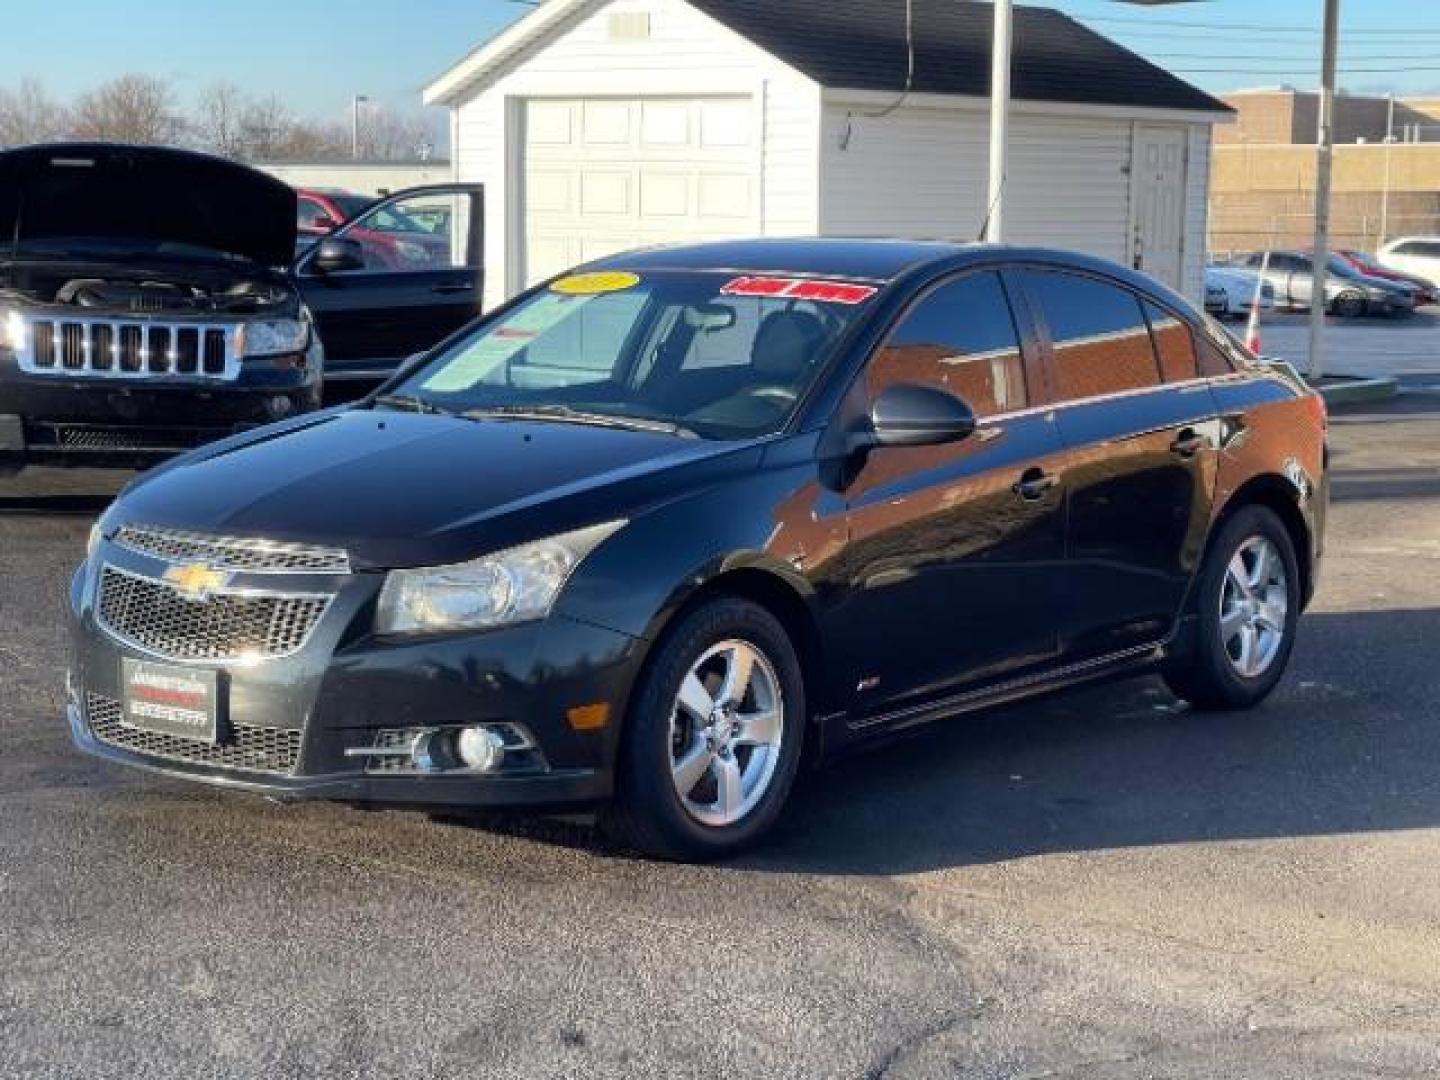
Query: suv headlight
(514,586)
(272,337)
(12,331)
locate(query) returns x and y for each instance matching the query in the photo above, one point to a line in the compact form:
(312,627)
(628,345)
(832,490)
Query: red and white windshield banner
(825,292)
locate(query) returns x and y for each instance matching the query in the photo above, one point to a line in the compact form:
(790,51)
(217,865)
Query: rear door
(422,280)
(955,562)
(1140,434)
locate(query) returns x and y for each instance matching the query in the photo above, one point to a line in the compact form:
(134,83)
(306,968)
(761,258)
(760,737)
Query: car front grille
(159,618)
(126,350)
(244,554)
(259,749)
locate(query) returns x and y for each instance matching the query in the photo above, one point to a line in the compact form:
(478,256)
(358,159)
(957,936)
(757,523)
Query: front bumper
(344,687)
(93,420)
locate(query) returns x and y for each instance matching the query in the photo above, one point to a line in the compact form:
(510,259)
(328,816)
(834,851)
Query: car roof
(873,260)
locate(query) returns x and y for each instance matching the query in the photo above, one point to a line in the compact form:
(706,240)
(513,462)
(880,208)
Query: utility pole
(1325,160)
(1385,193)
(355,103)
(999,120)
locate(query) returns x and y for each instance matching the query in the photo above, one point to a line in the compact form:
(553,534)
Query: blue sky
(316,53)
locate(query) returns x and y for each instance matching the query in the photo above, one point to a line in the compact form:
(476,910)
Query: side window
(309,215)
(1101,342)
(428,231)
(960,338)
(1429,250)
(1174,344)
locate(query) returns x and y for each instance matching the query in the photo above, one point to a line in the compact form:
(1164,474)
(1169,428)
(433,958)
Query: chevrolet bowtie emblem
(196,581)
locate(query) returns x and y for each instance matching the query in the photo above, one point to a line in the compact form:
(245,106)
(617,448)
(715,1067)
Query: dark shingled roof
(860,45)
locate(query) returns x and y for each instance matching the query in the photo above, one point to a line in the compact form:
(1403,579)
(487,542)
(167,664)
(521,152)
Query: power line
(1254,28)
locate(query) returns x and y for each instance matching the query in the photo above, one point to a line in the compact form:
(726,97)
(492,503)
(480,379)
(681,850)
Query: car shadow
(1343,746)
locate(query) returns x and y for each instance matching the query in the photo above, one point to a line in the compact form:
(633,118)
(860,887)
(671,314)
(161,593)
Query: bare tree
(132,108)
(389,136)
(28,115)
(219,121)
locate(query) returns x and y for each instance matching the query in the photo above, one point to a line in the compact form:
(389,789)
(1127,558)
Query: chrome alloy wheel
(1254,602)
(725,733)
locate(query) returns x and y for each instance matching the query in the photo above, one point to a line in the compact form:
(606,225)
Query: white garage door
(605,174)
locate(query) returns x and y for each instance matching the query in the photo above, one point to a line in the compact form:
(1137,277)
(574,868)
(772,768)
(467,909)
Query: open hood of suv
(150,194)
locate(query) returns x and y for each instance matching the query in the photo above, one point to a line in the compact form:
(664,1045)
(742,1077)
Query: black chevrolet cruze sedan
(656,531)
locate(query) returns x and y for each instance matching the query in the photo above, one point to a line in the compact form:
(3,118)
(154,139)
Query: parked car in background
(1418,255)
(320,211)
(1425,291)
(1348,293)
(1230,292)
(145,306)
(648,534)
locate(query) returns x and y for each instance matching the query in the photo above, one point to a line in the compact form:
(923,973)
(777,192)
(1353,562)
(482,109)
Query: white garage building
(600,125)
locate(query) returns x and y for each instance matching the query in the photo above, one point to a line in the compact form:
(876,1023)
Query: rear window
(1099,334)
(1174,344)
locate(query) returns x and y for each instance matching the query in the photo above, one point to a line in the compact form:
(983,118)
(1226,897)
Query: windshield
(351,205)
(712,354)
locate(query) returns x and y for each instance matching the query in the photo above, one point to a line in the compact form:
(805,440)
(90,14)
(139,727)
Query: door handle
(454,287)
(1189,444)
(1034,483)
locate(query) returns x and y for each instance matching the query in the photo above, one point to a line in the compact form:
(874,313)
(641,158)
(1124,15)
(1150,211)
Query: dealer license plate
(167,700)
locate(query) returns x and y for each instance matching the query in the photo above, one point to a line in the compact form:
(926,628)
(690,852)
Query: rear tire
(703,769)
(1247,607)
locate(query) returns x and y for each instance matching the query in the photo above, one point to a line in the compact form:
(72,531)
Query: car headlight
(272,337)
(12,331)
(514,586)
(92,542)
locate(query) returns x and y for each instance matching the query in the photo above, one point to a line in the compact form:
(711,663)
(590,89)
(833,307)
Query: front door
(1157,199)
(1141,434)
(421,280)
(955,559)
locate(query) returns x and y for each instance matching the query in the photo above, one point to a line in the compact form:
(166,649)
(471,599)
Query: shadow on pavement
(1127,766)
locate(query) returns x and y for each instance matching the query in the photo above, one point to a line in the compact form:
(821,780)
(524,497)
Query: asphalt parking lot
(1103,885)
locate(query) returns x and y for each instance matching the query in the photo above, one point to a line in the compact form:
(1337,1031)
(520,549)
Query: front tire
(1247,601)
(712,740)
(1349,305)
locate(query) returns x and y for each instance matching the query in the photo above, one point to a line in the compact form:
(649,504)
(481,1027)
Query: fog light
(480,748)
(278,406)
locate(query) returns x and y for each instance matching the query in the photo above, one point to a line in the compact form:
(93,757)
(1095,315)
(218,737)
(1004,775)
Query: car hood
(405,489)
(154,194)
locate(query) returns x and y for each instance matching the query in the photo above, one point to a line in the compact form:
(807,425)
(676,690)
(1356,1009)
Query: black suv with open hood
(145,304)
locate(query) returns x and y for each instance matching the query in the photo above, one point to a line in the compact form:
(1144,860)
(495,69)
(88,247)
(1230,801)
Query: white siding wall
(686,53)
(922,172)
(1197,211)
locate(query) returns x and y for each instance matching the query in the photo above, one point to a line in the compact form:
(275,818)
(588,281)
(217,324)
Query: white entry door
(1157,203)
(603,175)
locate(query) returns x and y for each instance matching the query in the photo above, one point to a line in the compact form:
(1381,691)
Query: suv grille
(130,350)
(271,750)
(233,553)
(223,626)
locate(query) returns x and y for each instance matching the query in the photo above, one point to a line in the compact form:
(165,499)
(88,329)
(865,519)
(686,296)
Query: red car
(391,239)
(1425,292)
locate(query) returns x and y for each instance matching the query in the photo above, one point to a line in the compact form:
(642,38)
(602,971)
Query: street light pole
(999,120)
(355,102)
(1385,192)
(1324,166)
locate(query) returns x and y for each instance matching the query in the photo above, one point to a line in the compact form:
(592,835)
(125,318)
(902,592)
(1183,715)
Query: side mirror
(336,254)
(910,415)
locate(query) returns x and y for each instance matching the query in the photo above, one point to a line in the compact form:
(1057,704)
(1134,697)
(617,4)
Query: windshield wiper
(411,403)
(565,414)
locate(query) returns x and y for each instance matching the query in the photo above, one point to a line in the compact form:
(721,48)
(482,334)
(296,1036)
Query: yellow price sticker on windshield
(593,284)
